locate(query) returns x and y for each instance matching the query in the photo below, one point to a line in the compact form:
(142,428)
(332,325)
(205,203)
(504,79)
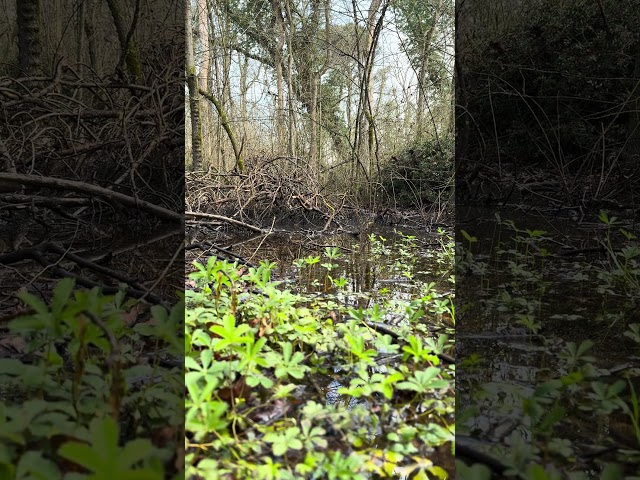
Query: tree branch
(113,197)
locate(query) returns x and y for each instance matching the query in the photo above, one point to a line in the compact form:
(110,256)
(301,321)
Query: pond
(352,341)
(547,340)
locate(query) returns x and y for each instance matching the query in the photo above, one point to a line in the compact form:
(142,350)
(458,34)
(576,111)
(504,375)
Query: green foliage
(332,90)
(260,364)
(423,22)
(105,459)
(79,370)
(557,408)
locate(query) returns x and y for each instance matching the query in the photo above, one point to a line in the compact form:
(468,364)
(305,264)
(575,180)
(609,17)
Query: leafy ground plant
(286,384)
(89,393)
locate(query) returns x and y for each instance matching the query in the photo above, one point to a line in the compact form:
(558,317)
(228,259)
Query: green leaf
(61,295)
(104,434)
(34,302)
(134,452)
(468,237)
(83,455)
(33,466)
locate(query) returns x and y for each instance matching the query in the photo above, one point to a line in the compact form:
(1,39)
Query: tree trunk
(237,149)
(313,122)
(192,83)
(292,141)
(89,31)
(29,33)
(129,53)
(422,72)
(244,88)
(364,134)
(80,39)
(370,51)
(278,21)
(204,81)
(373,29)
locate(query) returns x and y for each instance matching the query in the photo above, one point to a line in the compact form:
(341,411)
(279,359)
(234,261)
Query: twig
(271,230)
(163,274)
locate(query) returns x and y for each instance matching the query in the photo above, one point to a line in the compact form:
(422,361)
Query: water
(527,300)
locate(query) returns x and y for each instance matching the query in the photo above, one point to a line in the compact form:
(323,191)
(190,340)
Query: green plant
(84,391)
(106,460)
(551,409)
(257,353)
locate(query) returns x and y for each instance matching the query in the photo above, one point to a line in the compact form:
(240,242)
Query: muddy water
(367,273)
(564,294)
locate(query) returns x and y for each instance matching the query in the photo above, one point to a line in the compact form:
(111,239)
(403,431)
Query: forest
(319,239)
(321,105)
(318,210)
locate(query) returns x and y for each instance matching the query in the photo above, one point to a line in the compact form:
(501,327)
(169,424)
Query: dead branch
(38,253)
(279,187)
(209,245)
(382,328)
(228,220)
(54,202)
(82,187)
(96,255)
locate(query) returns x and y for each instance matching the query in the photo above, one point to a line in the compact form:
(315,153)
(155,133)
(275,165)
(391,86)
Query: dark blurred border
(92,189)
(548,137)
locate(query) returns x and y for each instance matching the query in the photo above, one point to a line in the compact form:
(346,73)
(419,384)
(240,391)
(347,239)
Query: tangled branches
(102,131)
(270,188)
(93,161)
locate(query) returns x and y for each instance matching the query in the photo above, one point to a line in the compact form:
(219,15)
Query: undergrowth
(88,394)
(285,384)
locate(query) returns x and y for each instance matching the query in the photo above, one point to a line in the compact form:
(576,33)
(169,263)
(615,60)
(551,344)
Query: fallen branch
(228,220)
(113,197)
(209,245)
(466,452)
(18,199)
(97,255)
(378,327)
